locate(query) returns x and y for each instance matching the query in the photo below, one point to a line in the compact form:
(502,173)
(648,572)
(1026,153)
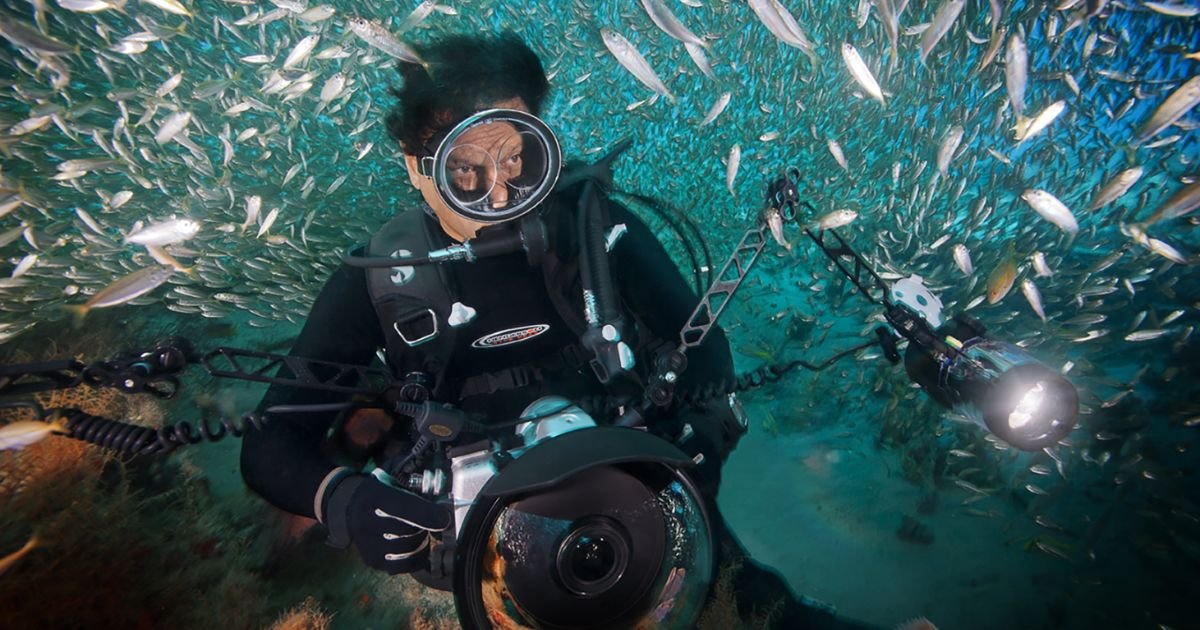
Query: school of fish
(214,157)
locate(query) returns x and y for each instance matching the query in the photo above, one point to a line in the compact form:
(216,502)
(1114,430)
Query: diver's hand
(389,527)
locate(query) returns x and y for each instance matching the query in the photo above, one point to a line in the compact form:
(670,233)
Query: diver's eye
(516,159)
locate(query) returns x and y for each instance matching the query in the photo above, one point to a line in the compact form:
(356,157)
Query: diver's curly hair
(465,73)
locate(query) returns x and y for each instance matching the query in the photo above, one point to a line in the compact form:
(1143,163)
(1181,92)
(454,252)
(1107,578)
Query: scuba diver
(491,335)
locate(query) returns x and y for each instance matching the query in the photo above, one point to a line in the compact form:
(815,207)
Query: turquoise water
(1122,507)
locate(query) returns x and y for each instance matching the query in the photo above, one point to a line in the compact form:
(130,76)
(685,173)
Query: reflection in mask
(485,164)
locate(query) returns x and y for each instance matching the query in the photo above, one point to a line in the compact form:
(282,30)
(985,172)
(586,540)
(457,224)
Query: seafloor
(859,489)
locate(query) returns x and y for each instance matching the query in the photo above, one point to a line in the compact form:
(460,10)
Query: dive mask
(495,166)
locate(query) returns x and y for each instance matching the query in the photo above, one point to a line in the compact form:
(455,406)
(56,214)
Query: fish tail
(1021,127)
(61,425)
(78,312)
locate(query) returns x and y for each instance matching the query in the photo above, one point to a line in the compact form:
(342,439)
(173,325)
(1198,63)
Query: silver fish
(1034,297)
(1116,187)
(783,26)
(1040,266)
(1164,249)
(775,224)
(380,38)
(301,51)
(731,167)
(1182,100)
(717,108)
(1051,209)
(20,34)
(165,233)
(1016,69)
(890,20)
(836,150)
(170,6)
(417,16)
(24,265)
(1028,128)
(700,59)
(861,73)
(169,85)
(1147,334)
(268,222)
(962,258)
(90,6)
(12,235)
(316,14)
(124,289)
(634,62)
(172,126)
(253,207)
(333,87)
(669,24)
(836,219)
(942,21)
(949,145)
(1173,9)
(1182,203)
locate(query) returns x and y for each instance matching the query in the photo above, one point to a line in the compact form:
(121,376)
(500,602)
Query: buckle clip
(414,317)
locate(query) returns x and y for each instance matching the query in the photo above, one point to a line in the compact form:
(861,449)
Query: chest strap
(413,303)
(571,357)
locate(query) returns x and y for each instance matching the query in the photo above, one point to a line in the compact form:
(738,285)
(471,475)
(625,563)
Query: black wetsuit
(284,462)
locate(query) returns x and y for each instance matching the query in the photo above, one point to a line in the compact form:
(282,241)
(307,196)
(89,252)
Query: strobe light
(998,385)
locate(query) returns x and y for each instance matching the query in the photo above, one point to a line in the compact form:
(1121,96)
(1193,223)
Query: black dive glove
(389,527)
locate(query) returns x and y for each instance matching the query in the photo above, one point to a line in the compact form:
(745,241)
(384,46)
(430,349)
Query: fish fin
(78,311)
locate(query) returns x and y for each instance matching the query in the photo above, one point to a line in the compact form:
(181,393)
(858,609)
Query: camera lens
(592,557)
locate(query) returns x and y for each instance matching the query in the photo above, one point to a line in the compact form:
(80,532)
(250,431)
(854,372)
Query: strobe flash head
(998,385)
(1030,406)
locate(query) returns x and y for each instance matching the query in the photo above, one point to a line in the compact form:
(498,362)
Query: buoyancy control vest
(419,312)
(414,303)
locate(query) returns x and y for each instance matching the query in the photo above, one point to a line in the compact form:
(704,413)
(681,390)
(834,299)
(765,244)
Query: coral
(722,612)
(123,542)
(306,616)
(423,619)
(429,609)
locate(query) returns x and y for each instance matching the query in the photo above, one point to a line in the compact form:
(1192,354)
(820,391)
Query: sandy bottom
(823,509)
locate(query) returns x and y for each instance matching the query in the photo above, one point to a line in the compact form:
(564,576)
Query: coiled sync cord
(132,439)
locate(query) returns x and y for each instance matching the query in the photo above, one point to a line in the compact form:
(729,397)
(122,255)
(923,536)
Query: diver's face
(498,147)
(482,162)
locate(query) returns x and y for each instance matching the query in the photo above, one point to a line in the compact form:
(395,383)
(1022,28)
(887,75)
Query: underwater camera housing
(570,524)
(995,384)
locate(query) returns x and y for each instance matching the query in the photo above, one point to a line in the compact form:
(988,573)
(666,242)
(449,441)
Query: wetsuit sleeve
(653,287)
(283,462)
